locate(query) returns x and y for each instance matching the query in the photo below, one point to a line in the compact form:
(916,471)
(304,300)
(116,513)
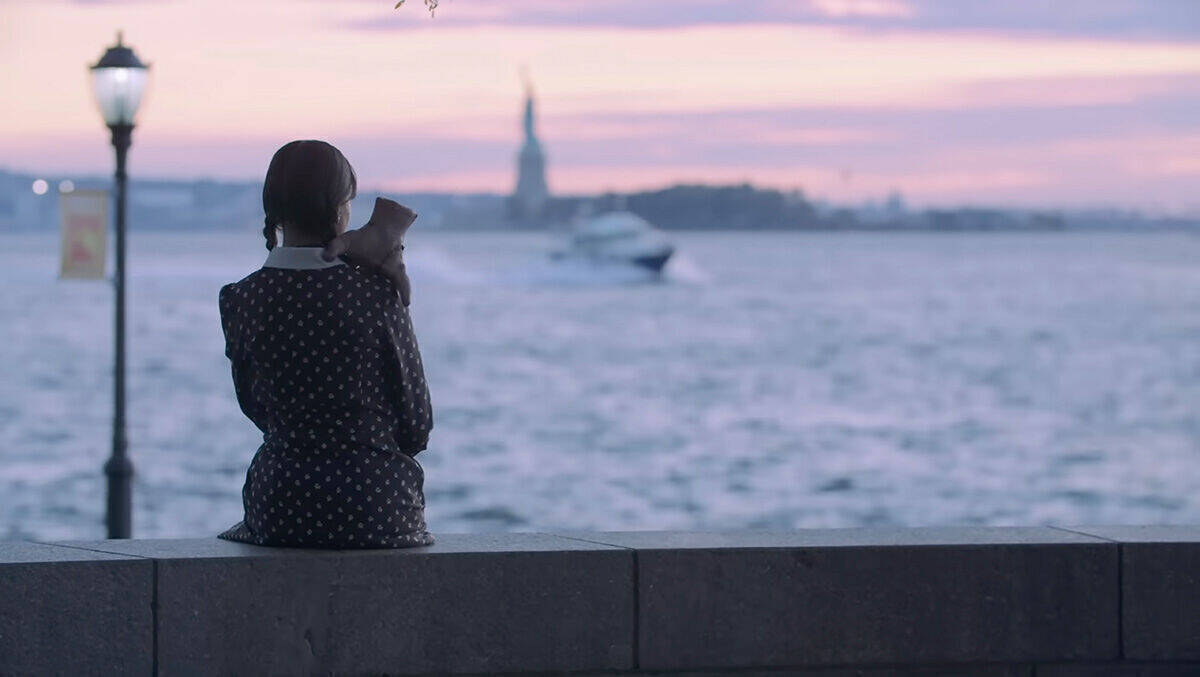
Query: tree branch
(431,4)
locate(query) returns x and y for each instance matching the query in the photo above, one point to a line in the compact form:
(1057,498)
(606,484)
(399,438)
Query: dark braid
(331,229)
(269,233)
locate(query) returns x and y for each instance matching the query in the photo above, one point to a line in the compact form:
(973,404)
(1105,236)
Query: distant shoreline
(196,205)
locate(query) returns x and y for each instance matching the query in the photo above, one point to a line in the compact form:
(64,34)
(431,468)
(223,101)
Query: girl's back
(326,364)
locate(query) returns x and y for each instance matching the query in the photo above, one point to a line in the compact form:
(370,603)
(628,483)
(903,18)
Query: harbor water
(770,381)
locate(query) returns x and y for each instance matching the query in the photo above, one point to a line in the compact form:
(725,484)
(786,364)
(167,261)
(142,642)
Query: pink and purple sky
(1072,103)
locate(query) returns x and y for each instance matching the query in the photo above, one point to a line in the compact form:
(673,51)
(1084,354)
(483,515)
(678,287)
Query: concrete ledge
(1121,670)
(1160,590)
(63,609)
(919,601)
(864,596)
(468,603)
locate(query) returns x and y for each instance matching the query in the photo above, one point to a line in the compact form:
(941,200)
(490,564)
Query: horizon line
(1185,213)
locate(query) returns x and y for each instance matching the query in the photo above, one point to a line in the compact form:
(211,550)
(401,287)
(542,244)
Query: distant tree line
(697,206)
(746,207)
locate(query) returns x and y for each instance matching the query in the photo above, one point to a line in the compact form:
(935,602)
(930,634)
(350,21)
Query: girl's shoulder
(230,293)
(349,281)
(362,281)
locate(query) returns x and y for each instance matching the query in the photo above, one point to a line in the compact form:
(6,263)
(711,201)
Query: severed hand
(379,244)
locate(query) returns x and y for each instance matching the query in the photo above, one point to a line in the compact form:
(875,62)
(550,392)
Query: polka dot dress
(326,365)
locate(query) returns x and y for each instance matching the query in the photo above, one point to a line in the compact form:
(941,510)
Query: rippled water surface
(772,381)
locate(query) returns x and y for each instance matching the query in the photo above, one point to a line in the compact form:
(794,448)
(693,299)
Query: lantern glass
(118,91)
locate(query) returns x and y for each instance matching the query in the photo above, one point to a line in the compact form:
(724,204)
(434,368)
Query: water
(773,381)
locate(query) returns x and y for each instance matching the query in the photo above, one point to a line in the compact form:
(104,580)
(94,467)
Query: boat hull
(653,262)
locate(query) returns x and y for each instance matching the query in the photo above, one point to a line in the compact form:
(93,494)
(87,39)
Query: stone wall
(1117,600)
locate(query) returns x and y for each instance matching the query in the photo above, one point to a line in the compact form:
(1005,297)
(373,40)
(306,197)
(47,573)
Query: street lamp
(118,80)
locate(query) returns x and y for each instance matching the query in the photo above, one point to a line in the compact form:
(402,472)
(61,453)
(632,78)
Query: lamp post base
(118,517)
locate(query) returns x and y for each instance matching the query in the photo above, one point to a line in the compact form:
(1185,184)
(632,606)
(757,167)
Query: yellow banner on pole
(84,233)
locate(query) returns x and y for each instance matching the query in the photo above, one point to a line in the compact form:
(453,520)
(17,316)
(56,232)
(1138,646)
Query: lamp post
(118,80)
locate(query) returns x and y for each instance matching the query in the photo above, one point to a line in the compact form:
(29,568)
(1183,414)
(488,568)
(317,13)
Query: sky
(1072,103)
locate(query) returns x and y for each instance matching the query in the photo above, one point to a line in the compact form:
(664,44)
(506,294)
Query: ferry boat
(619,237)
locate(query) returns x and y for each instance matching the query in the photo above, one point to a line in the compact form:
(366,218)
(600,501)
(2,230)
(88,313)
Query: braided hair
(306,182)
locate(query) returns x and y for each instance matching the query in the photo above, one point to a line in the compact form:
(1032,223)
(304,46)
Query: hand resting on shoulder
(379,244)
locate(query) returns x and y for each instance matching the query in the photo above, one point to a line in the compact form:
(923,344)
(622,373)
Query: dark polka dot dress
(326,365)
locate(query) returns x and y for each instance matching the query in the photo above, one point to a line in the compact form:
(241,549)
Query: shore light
(118,80)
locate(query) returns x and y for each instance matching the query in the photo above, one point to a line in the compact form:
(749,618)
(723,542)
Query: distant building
(528,200)
(20,207)
(30,201)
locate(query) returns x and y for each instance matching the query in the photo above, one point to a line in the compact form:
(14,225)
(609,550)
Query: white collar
(299,258)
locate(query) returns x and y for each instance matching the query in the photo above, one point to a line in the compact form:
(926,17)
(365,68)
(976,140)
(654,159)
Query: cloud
(862,8)
(115,2)
(608,14)
(1119,19)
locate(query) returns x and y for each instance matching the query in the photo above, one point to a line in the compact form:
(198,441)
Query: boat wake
(437,266)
